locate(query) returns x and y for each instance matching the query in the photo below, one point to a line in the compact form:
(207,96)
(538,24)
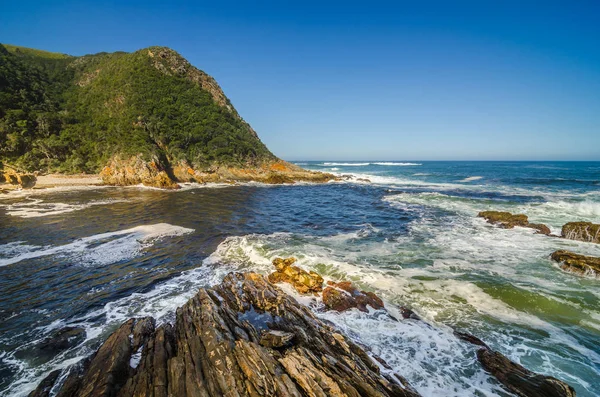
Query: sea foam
(100,249)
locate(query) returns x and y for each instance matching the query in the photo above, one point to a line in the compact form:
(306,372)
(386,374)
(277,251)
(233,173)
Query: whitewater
(407,230)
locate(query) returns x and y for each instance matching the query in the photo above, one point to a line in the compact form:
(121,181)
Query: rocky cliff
(143,117)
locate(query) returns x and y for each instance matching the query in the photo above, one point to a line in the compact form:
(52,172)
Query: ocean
(92,257)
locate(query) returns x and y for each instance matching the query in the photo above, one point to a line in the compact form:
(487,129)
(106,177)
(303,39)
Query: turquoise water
(94,257)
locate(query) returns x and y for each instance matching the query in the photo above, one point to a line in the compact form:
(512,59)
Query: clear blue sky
(404,80)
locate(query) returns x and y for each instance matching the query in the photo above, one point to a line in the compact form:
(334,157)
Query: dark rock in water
(304,282)
(506,220)
(519,379)
(516,378)
(581,264)
(582,231)
(470,338)
(408,313)
(343,296)
(215,350)
(43,389)
(62,340)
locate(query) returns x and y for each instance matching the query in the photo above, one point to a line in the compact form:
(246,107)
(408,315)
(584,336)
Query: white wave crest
(346,164)
(471,178)
(391,163)
(100,249)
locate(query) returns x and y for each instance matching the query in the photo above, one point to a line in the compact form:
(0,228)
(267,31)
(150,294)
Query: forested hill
(60,113)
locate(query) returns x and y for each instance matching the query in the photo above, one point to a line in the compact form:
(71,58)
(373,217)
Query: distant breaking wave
(387,163)
(347,164)
(399,164)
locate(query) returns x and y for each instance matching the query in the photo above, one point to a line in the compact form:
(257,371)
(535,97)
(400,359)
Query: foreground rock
(582,231)
(304,282)
(244,337)
(516,378)
(506,220)
(581,264)
(344,295)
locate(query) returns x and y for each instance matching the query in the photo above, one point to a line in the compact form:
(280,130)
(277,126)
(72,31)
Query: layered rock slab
(244,337)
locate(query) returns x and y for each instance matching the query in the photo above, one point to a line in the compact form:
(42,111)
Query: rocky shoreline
(136,171)
(246,337)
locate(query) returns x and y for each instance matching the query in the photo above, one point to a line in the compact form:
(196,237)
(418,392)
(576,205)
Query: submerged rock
(571,262)
(244,337)
(582,231)
(62,340)
(304,282)
(506,220)
(344,295)
(516,378)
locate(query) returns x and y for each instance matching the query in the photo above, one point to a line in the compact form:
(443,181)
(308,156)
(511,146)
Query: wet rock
(275,339)
(581,264)
(43,389)
(408,313)
(519,379)
(62,340)
(214,349)
(541,228)
(304,282)
(506,220)
(582,231)
(344,295)
(516,378)
(470,338)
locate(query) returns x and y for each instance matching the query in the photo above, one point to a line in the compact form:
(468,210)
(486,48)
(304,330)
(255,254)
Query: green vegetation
(60,113)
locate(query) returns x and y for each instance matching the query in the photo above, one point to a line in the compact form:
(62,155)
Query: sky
(370,80)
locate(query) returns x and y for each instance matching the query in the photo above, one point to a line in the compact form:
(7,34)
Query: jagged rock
(519,379)
(506,220)
(344,295)
(43,389)
(516,378)
(303,281)
(274,339)
(24,180)
(584,265)
(582,231)
(277,179)
(136,170)
(215,349)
